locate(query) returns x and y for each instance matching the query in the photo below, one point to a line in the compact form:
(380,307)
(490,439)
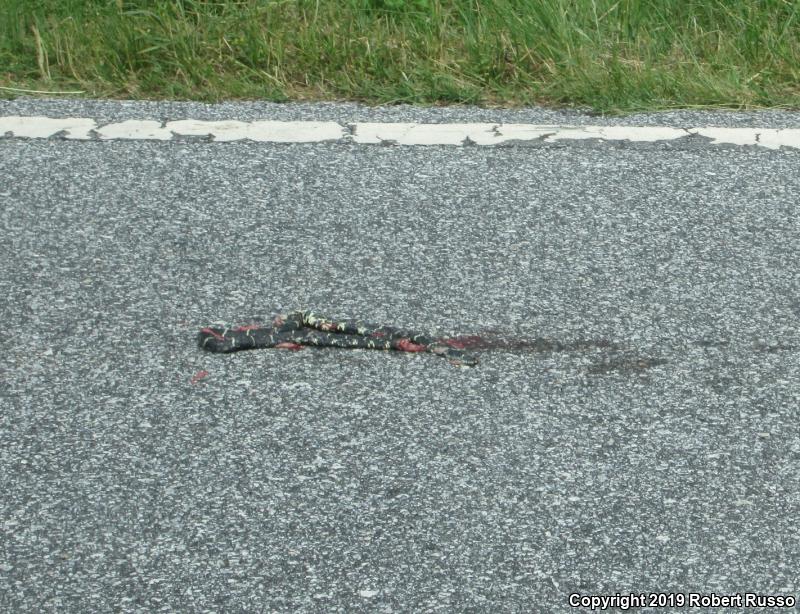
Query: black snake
(298,328)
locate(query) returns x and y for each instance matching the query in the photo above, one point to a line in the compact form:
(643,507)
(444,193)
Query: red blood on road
(467,341)
(406,345)
(289,345)
(198,376)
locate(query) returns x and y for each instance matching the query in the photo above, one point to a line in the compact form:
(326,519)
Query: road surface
(632,429)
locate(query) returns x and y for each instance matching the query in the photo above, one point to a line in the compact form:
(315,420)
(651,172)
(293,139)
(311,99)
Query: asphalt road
(633,430)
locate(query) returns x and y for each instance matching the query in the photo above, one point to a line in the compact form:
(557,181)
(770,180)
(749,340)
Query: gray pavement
(634,430)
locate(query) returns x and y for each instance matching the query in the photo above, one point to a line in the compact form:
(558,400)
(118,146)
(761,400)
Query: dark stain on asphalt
(624,364)
(613,360)
(774,347)
(494,341)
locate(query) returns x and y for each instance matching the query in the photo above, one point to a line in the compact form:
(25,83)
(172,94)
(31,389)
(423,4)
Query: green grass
(611,55)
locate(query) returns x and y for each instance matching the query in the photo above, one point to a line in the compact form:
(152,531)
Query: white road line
(82,128)
(44,127)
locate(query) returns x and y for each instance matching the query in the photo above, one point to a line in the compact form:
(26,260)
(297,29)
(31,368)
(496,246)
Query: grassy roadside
(610,55)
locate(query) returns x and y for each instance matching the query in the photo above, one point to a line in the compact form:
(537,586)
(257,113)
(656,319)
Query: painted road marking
(82,128)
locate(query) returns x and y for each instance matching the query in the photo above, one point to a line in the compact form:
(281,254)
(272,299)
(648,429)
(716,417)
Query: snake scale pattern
(304,328)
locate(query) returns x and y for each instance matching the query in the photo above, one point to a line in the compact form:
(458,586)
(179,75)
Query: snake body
(304,328)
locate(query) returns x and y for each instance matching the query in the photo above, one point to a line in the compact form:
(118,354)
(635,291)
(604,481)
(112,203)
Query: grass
(614,56)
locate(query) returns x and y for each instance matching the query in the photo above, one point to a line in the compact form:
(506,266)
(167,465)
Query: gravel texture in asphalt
(632,426)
